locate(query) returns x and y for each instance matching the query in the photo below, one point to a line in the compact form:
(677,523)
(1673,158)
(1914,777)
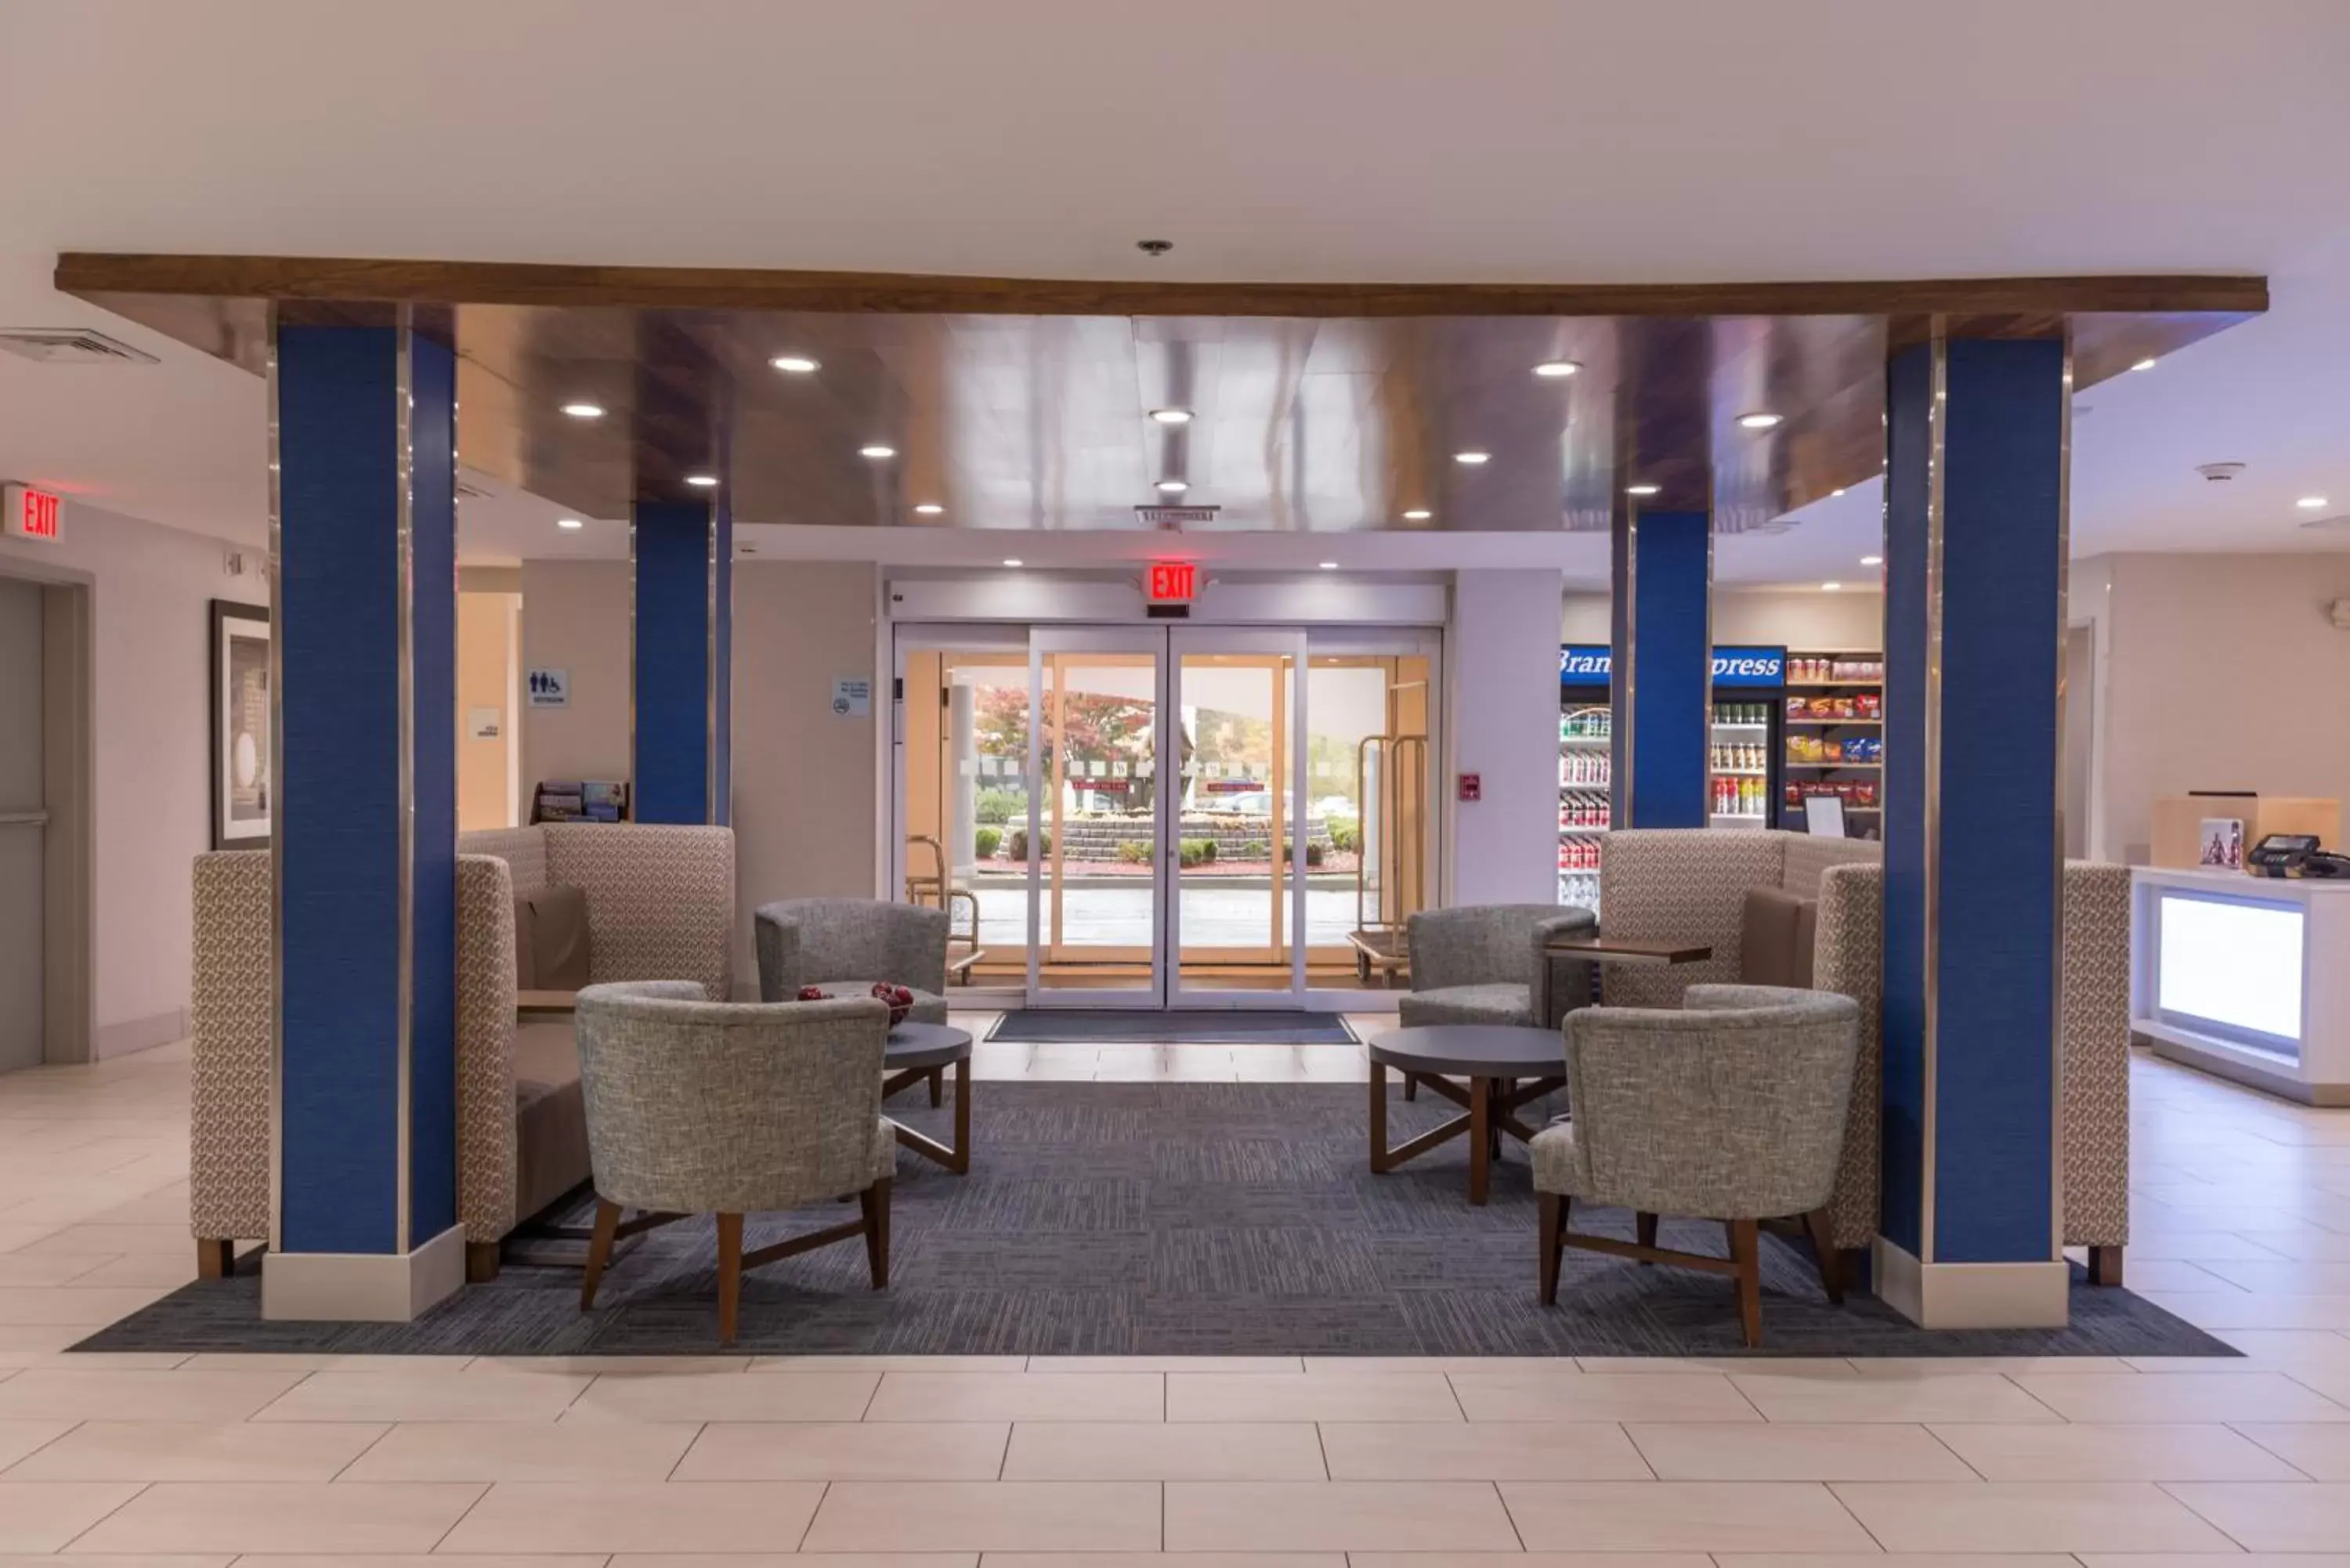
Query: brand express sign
(1591,664)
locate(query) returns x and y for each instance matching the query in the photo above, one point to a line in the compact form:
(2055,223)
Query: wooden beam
(339,279)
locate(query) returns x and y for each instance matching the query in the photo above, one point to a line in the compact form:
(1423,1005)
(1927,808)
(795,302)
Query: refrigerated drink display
(1586,739)
(1744,737)
(1835,727)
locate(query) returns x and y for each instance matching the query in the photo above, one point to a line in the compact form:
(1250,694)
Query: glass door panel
(1241,856)
(963,782)
(1368,764)
(1093,841)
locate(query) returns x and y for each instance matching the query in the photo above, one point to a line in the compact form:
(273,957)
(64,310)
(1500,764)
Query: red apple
(811,993)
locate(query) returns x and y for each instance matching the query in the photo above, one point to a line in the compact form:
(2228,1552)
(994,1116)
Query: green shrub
(1195,851)
(1256,849)
(986,841)
(1313,855)
(1134,852)
(1001,805)
(1017,849)
(1346,834)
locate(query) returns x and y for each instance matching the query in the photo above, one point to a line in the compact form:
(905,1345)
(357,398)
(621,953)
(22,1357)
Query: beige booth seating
(660,905)
(1691,885)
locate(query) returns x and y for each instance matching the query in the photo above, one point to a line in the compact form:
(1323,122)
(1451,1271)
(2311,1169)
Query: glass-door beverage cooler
(1586,748)
(1744,743)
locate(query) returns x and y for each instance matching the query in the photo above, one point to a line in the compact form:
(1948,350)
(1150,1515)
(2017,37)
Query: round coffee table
(1506,1068)
(923,1051)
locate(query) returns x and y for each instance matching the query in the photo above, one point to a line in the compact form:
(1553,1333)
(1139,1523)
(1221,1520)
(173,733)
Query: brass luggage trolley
(934,892)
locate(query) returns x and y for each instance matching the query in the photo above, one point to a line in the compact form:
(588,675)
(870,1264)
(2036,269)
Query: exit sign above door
(31,514)
(1171,582)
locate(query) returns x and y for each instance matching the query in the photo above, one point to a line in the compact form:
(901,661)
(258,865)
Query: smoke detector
(2218,472)
(71,345)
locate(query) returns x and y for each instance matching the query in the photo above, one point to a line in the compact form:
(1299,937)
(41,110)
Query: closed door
(23,824)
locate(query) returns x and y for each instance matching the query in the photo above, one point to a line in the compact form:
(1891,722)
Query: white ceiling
(1483,140)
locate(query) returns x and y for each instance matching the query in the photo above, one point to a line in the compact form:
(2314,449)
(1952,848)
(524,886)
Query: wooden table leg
(1480,1133)
(1379,1118)
(956,1159)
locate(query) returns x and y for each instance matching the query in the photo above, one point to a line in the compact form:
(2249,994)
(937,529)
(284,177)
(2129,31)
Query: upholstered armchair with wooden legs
(703,1108)
(1484,963)
(1731,1108)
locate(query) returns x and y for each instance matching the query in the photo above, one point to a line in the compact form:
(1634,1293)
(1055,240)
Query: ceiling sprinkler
(1154,248)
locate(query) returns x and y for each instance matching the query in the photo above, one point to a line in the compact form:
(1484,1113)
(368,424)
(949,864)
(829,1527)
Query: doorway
(1156,816)
(23,828)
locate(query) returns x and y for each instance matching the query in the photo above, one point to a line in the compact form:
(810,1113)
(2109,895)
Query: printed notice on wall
(550,688)
(852,697)
(484,723)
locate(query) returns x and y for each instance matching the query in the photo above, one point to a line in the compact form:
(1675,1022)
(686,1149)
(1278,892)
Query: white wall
(1503,678)
(2218,672)
(805,782)
(1806,619)
(150,593)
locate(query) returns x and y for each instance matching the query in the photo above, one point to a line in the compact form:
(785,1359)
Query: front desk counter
(2247,977)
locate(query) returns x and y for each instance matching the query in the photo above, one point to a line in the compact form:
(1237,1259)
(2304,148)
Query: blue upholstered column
(1663,672)
(684,566)
(364,579)
(1974,623)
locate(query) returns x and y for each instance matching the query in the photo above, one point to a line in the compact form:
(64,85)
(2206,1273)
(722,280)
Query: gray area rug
(1163,1219)
(1198,1026)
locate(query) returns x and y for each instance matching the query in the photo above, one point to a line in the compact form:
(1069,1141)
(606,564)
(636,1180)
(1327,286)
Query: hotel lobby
(1007,835)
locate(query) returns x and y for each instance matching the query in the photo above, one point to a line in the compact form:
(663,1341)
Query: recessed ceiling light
(877,451)
(1838,491)
(1171,416)
(1831,587)
(1012,561)
(1758,422)
(795,364)
(703,481)
(584,410)
(569,522)
(1642,489)
(1173,487)
(1556,370)
(1329,565)
(930,508)
(1872,560)
(2145,364)
(1472,458)
(1417,515)
(2310,502)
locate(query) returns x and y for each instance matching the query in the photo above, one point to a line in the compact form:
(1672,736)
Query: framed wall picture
(244,795)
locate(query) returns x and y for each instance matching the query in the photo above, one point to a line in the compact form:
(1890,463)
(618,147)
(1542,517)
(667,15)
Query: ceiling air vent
(71,345)
(1174,517)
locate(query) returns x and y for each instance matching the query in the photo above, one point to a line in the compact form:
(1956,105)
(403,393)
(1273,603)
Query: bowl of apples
(901,999)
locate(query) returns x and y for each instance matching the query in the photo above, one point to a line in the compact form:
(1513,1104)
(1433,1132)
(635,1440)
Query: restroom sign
(549,687)
(31,514)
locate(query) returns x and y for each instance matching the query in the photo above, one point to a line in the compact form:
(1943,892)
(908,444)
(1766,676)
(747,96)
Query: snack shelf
(1822,723)
(1856,767)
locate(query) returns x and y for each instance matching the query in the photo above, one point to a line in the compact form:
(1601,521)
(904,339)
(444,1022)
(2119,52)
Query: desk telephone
(2294,855)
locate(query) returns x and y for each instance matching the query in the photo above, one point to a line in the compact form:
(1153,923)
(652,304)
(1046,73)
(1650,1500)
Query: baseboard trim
(1973,1295)
(362,1287)
(138,1034)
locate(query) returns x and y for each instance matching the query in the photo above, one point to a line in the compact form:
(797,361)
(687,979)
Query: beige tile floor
(2242,1224)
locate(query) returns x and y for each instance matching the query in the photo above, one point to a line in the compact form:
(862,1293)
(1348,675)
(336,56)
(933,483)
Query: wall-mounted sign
(549,687)
(484,723)
(1591,664)
(1750,665)
(1171,582)
(852,697)
(31,514)
(1472,786)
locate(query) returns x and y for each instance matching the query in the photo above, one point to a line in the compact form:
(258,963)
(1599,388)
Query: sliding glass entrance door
(1242,838)
(1147,816)
(1096,840)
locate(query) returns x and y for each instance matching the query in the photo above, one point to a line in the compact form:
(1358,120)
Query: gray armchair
(1731,1108)
(706,1107)
(844,945)
(1484,963)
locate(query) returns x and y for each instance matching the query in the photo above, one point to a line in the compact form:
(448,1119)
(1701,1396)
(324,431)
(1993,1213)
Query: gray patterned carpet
(1165,1218)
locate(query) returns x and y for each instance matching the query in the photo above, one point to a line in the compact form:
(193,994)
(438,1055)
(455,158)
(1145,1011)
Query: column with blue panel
(1663,668)
(682,560)
(1974,565)
(363,576)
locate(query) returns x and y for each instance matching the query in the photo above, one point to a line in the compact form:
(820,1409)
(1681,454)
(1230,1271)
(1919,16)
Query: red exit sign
(31,514)
(1172,581)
